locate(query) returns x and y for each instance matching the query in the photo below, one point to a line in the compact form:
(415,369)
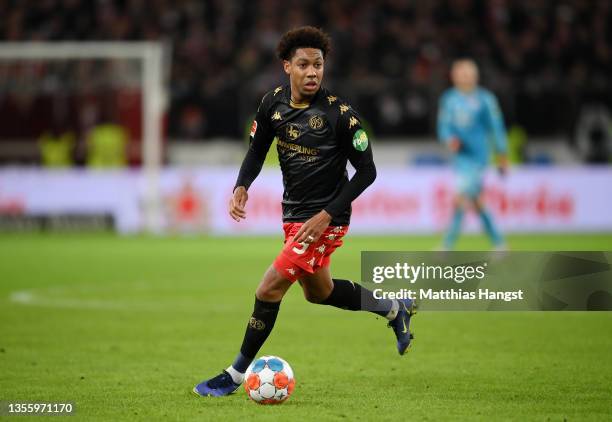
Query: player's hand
(502,165)
(237,203)
(454,145)
(312,229)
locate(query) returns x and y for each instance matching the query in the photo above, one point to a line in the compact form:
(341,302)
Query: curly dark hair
(303,37)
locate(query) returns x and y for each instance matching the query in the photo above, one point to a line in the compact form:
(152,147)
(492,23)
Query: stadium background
(98,311)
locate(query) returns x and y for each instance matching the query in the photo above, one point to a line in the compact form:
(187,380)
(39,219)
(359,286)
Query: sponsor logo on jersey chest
(292,131)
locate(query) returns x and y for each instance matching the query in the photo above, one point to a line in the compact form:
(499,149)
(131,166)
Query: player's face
(464,75)
(305,70)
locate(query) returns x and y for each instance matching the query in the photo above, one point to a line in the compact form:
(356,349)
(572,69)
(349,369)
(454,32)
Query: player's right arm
(260,139)
(498,131)
(444,126)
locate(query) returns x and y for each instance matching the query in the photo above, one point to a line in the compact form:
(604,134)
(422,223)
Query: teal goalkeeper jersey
(476,120)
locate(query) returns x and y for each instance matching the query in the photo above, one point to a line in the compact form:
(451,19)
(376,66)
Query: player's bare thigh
(273,286)
(469,203)
(479,204)
(317,286)
(462,201)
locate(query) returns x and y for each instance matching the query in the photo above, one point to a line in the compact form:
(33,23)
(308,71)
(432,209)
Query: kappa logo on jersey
(360,140)
(315,122)
(293,131)
(253,128)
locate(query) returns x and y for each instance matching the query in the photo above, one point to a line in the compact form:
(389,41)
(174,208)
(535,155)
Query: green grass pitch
(125,326)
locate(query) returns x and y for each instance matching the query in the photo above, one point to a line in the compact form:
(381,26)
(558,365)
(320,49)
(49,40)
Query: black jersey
(314,142)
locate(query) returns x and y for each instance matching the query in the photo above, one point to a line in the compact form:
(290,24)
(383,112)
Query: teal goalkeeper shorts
(470,182)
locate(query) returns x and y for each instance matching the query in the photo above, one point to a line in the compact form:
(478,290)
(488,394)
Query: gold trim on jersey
(298,105)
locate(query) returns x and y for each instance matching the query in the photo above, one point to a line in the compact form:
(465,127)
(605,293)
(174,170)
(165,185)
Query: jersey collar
(287,98)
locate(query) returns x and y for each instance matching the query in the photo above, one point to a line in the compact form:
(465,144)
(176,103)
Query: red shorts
(296,259)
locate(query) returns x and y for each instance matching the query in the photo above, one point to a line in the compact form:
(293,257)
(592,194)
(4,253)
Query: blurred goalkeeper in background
(468,119)
(317,134)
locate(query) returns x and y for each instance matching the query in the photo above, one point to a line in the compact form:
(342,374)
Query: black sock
(258,329)
(351,296)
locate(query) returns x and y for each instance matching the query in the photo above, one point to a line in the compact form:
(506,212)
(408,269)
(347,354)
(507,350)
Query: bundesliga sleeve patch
(360,140)
(253,128)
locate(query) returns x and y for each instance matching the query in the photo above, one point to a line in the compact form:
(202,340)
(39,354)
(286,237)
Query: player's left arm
(355,141)
(498,131)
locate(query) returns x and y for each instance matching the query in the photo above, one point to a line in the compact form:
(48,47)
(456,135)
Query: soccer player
(468,116)
(317,133)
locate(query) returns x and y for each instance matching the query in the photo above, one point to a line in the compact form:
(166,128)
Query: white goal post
(154,57)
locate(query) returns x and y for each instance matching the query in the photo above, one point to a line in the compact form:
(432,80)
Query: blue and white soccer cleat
(401,324)
(221,385)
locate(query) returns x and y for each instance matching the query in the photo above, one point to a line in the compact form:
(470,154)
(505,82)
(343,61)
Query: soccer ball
(269,380)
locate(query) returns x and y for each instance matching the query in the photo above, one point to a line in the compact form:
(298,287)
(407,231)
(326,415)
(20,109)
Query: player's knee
(315,295)
(311,297)
(460,203)
(268,294)
(273,287)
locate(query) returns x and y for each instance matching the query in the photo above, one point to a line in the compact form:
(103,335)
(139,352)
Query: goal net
(58,99)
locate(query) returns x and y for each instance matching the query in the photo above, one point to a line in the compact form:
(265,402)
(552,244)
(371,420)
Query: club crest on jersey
(253,128)
(292,131)
(360,140)
(315,122)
